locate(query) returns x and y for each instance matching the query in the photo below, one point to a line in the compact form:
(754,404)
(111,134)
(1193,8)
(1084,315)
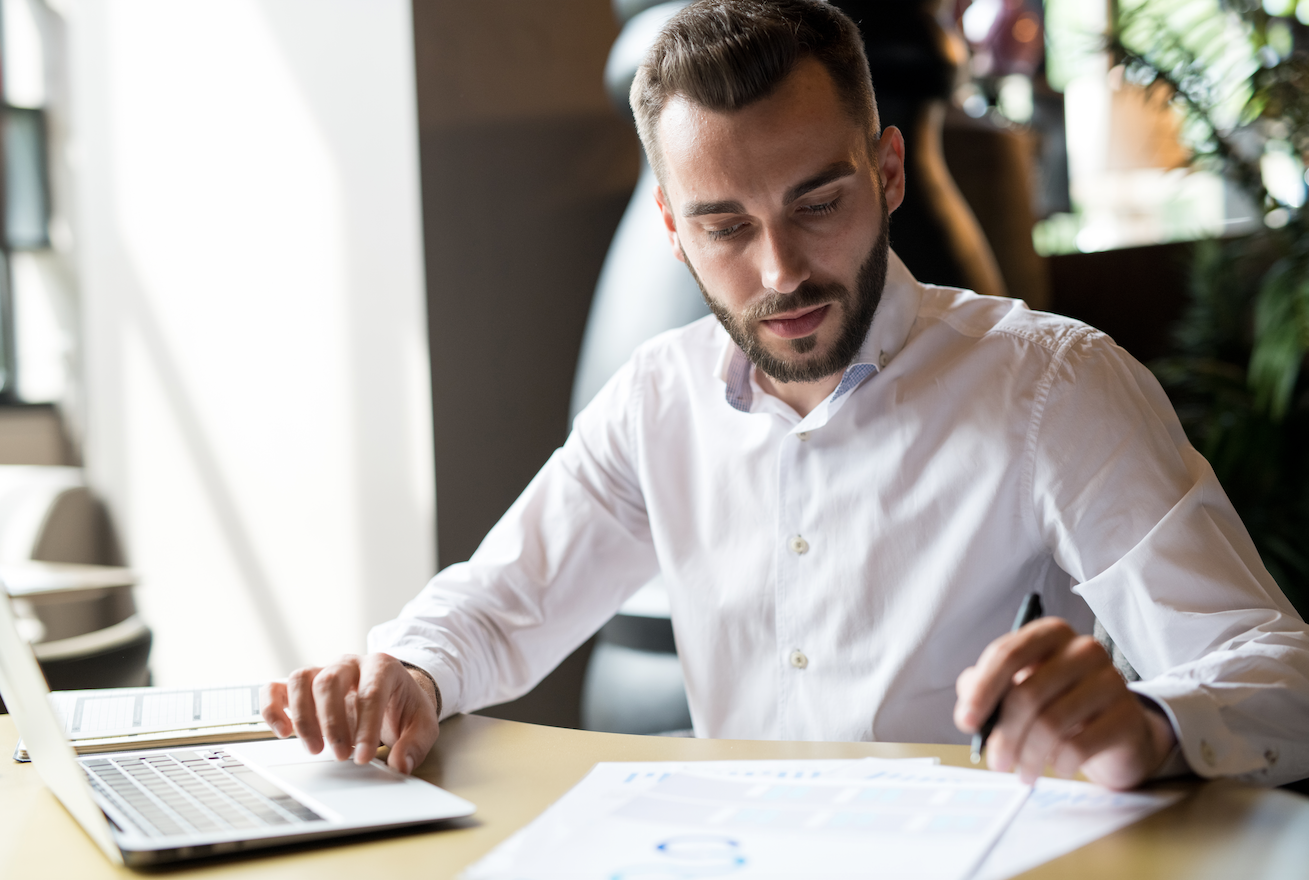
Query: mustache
(808,294)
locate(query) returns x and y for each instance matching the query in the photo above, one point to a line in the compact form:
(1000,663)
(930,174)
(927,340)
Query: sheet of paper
(1060,816)
(1063,815)
(758,819)
(114,712)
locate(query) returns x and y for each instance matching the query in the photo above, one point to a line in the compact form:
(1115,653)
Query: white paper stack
(787,819)
(760,819)
(113,719)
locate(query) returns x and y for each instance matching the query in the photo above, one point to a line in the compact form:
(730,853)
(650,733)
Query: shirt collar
(890,329)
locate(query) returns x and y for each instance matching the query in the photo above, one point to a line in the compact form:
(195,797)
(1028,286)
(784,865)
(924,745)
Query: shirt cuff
(1205,743)
(1175,764)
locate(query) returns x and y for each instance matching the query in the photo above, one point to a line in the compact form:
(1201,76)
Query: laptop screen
(27,697)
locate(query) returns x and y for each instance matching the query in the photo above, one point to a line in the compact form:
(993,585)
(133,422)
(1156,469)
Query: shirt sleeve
(1136,516)
(558,565)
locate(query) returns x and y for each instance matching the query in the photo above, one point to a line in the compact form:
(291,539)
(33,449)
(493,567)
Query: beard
(857,309)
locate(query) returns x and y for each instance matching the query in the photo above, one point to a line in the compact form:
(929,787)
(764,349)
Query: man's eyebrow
(700,209)
(832,172)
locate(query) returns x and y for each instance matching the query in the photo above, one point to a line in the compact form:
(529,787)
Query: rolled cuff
(1210,748)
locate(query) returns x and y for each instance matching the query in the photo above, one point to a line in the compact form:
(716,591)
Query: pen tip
(975,757)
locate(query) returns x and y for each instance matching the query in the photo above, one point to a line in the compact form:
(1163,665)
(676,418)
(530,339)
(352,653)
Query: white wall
(256,374)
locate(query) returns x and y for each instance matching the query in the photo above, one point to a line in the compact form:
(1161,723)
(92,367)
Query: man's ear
(670,224)
(890,165)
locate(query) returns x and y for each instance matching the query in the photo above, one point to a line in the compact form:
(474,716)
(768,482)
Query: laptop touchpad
(323,776)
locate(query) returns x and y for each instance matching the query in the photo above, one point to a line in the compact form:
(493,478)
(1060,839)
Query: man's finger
(378,683)
(331,688)
(1001,661)
(418,732)
(272,701)
(300,705)
(1113,750)
(1080,658)
(1073,685)
(1065,717)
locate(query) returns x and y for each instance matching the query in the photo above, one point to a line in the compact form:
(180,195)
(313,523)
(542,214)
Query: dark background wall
(526,170)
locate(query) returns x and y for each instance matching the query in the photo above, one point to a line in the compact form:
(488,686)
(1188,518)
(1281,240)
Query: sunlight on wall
(258,402)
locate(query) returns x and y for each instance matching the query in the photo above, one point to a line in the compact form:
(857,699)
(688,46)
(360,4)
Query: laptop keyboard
(196,790)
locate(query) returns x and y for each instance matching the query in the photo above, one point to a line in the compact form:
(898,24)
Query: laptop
(152,806)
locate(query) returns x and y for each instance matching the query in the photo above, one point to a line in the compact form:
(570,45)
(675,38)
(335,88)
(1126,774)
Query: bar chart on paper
(642,822)
(111,719)
(124,711)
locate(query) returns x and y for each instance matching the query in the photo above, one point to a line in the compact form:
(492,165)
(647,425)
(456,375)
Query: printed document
(1060,816)
(125,711)
(113,719)
(832,818)
(751,819)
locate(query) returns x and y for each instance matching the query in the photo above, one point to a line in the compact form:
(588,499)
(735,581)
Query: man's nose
(784,266)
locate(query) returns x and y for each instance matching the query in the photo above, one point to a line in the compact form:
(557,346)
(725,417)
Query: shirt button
(882,360)
(799,546)
(1270,755)
(803,435)
(1207,753)
(798,659)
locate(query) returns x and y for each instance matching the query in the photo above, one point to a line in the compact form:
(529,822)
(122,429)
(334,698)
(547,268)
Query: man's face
(782,216)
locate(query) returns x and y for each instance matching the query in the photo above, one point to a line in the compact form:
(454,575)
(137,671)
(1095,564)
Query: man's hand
(1066,707)
(353,705)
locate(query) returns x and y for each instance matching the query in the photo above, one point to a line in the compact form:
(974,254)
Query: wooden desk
(514,771)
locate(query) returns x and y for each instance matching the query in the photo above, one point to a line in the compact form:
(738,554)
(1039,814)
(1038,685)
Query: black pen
(1029,611)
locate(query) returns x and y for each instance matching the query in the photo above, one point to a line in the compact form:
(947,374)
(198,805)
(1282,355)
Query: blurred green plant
(1237,372)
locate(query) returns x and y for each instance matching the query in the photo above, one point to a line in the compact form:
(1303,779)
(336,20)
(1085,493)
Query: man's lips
(801,322)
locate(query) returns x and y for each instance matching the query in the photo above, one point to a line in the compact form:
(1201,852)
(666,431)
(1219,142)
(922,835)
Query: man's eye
(819,210)
(725,233)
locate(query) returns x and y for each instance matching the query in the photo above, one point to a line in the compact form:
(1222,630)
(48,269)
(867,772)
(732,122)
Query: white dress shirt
(830,576)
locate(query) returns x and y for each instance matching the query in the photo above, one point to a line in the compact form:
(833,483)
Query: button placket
(791,546)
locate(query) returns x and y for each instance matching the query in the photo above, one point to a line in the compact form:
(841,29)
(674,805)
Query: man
(849,480)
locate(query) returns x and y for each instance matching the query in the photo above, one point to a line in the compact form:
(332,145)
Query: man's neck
(800,396)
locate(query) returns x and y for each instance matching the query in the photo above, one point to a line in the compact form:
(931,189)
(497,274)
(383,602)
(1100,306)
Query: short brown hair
(727,54)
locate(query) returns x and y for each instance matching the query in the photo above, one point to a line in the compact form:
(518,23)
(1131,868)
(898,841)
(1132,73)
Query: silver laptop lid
(27,697)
